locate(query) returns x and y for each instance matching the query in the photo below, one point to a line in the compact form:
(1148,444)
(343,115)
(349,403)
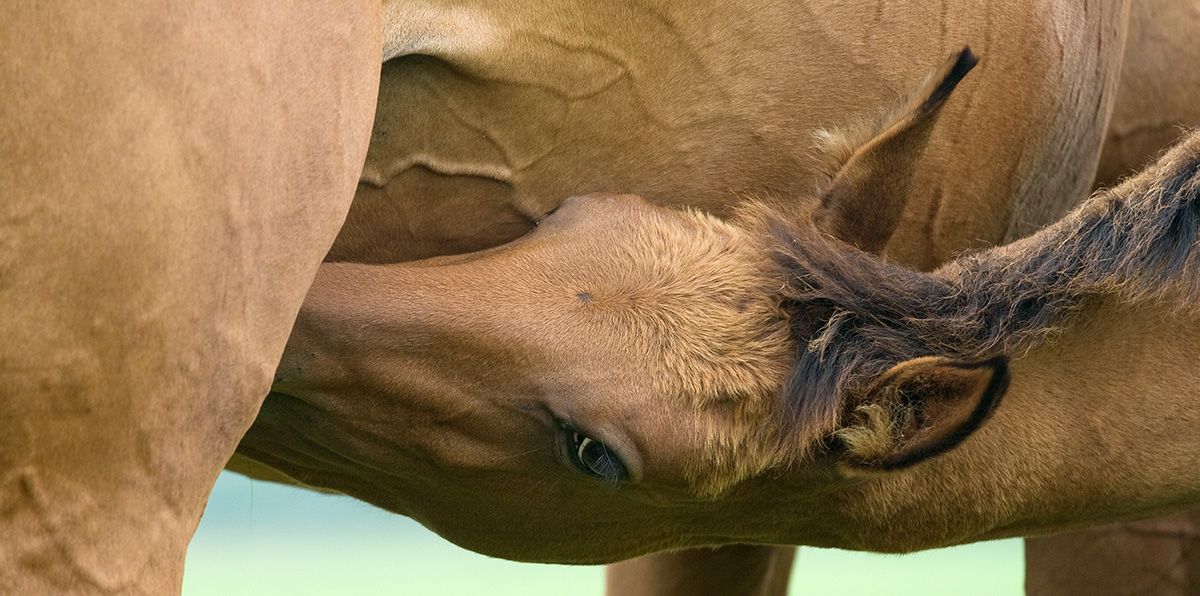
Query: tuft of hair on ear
(876,427)
(919,409)
(868,168)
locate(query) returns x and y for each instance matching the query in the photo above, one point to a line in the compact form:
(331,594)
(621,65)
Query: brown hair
(854,315)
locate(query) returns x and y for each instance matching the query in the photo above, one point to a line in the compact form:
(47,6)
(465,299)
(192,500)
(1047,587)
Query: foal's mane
(853,315)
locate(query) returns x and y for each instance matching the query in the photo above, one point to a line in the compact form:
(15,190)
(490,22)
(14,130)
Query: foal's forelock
(854,316)
(689,298)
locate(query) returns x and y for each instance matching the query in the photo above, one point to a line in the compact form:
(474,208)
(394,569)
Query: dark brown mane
(853,315)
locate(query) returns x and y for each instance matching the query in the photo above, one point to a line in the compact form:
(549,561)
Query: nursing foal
(629,378)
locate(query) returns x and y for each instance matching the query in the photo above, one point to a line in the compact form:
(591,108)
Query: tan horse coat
(493,112)
(171,176)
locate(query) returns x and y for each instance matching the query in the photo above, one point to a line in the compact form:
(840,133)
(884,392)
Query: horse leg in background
(173,173)
(1159,557)
(740,569)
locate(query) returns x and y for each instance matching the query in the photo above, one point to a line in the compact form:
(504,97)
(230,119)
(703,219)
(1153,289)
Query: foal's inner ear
(872,168)
(921,408)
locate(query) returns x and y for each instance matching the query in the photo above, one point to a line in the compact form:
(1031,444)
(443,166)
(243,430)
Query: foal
(630,378)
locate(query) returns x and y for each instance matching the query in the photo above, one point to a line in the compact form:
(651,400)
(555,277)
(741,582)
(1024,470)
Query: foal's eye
(595,458)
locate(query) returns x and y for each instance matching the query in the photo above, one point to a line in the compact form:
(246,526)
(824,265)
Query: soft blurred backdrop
(259,538)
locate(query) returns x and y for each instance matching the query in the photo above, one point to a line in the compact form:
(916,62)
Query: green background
(261,538)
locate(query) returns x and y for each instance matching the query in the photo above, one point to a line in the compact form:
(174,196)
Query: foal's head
(699,323)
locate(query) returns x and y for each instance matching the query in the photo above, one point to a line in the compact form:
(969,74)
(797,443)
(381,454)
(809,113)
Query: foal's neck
(1100,424)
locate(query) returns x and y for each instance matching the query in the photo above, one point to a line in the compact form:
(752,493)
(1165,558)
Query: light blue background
(260,538)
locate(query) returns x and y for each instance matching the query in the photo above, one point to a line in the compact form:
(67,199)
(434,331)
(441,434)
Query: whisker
(535,486)
(518,454)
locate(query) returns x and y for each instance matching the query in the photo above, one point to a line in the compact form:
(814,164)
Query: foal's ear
(921,408)
(872,169)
